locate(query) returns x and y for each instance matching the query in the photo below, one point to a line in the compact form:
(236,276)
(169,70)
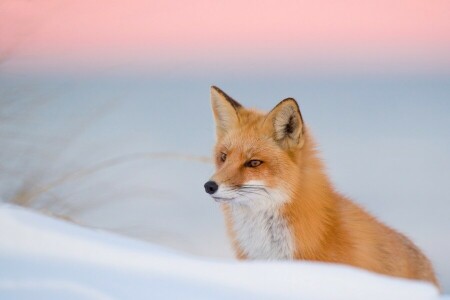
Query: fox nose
(211,187)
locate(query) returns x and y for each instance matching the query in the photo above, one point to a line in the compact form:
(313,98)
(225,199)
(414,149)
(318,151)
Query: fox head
(257,154)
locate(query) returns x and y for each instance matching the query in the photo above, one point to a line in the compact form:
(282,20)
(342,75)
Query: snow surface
(45,258)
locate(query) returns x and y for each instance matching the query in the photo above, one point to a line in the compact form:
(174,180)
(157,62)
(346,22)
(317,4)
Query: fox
(279,203)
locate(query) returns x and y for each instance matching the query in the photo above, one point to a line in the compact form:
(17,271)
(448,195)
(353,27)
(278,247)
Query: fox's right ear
(225,109)
(286,124)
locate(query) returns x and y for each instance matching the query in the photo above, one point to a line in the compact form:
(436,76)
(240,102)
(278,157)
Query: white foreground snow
(45,258)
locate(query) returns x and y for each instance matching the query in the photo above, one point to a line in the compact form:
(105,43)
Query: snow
(46,258)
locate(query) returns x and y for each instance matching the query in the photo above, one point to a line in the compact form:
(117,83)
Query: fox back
(280,205)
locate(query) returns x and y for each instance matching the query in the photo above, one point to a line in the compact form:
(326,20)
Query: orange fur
(325,225)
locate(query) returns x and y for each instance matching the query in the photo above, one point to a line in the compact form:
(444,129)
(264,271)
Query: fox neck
(295,225)
(311,211)
(260,231)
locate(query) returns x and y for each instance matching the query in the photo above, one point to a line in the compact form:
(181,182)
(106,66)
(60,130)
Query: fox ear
(225,109)
(286,123)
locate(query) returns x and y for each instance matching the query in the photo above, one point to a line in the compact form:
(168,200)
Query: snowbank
(45,258)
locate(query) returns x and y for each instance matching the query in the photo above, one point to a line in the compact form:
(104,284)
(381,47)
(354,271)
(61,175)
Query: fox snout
(211,187)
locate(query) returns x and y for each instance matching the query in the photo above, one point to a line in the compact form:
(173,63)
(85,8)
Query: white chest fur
(262,232)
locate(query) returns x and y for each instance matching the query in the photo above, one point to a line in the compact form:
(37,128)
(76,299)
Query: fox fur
(280,205)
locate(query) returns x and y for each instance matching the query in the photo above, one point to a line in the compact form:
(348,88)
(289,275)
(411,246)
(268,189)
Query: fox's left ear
(226,111)
(286,123)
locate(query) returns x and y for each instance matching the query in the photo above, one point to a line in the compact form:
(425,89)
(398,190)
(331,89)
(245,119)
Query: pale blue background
(385,139)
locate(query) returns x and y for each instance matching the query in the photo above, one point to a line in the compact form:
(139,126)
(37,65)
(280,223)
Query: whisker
(252,185)
(256,193)
(248,191)
(255,189)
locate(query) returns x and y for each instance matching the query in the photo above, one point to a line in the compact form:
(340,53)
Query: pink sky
(403,33)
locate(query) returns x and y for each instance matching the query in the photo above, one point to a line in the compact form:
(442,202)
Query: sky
(402,35)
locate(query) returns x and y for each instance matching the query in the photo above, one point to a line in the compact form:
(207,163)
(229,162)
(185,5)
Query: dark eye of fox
(253,163)
(223,157)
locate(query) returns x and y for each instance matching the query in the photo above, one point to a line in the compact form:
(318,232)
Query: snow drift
(45,258)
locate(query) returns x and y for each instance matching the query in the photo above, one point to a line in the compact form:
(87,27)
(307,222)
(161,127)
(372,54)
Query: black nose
(211,187)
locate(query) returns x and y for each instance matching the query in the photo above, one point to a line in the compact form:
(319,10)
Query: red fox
(280,205)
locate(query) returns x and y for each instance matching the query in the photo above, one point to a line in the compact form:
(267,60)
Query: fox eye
(223,156)
(253,163)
